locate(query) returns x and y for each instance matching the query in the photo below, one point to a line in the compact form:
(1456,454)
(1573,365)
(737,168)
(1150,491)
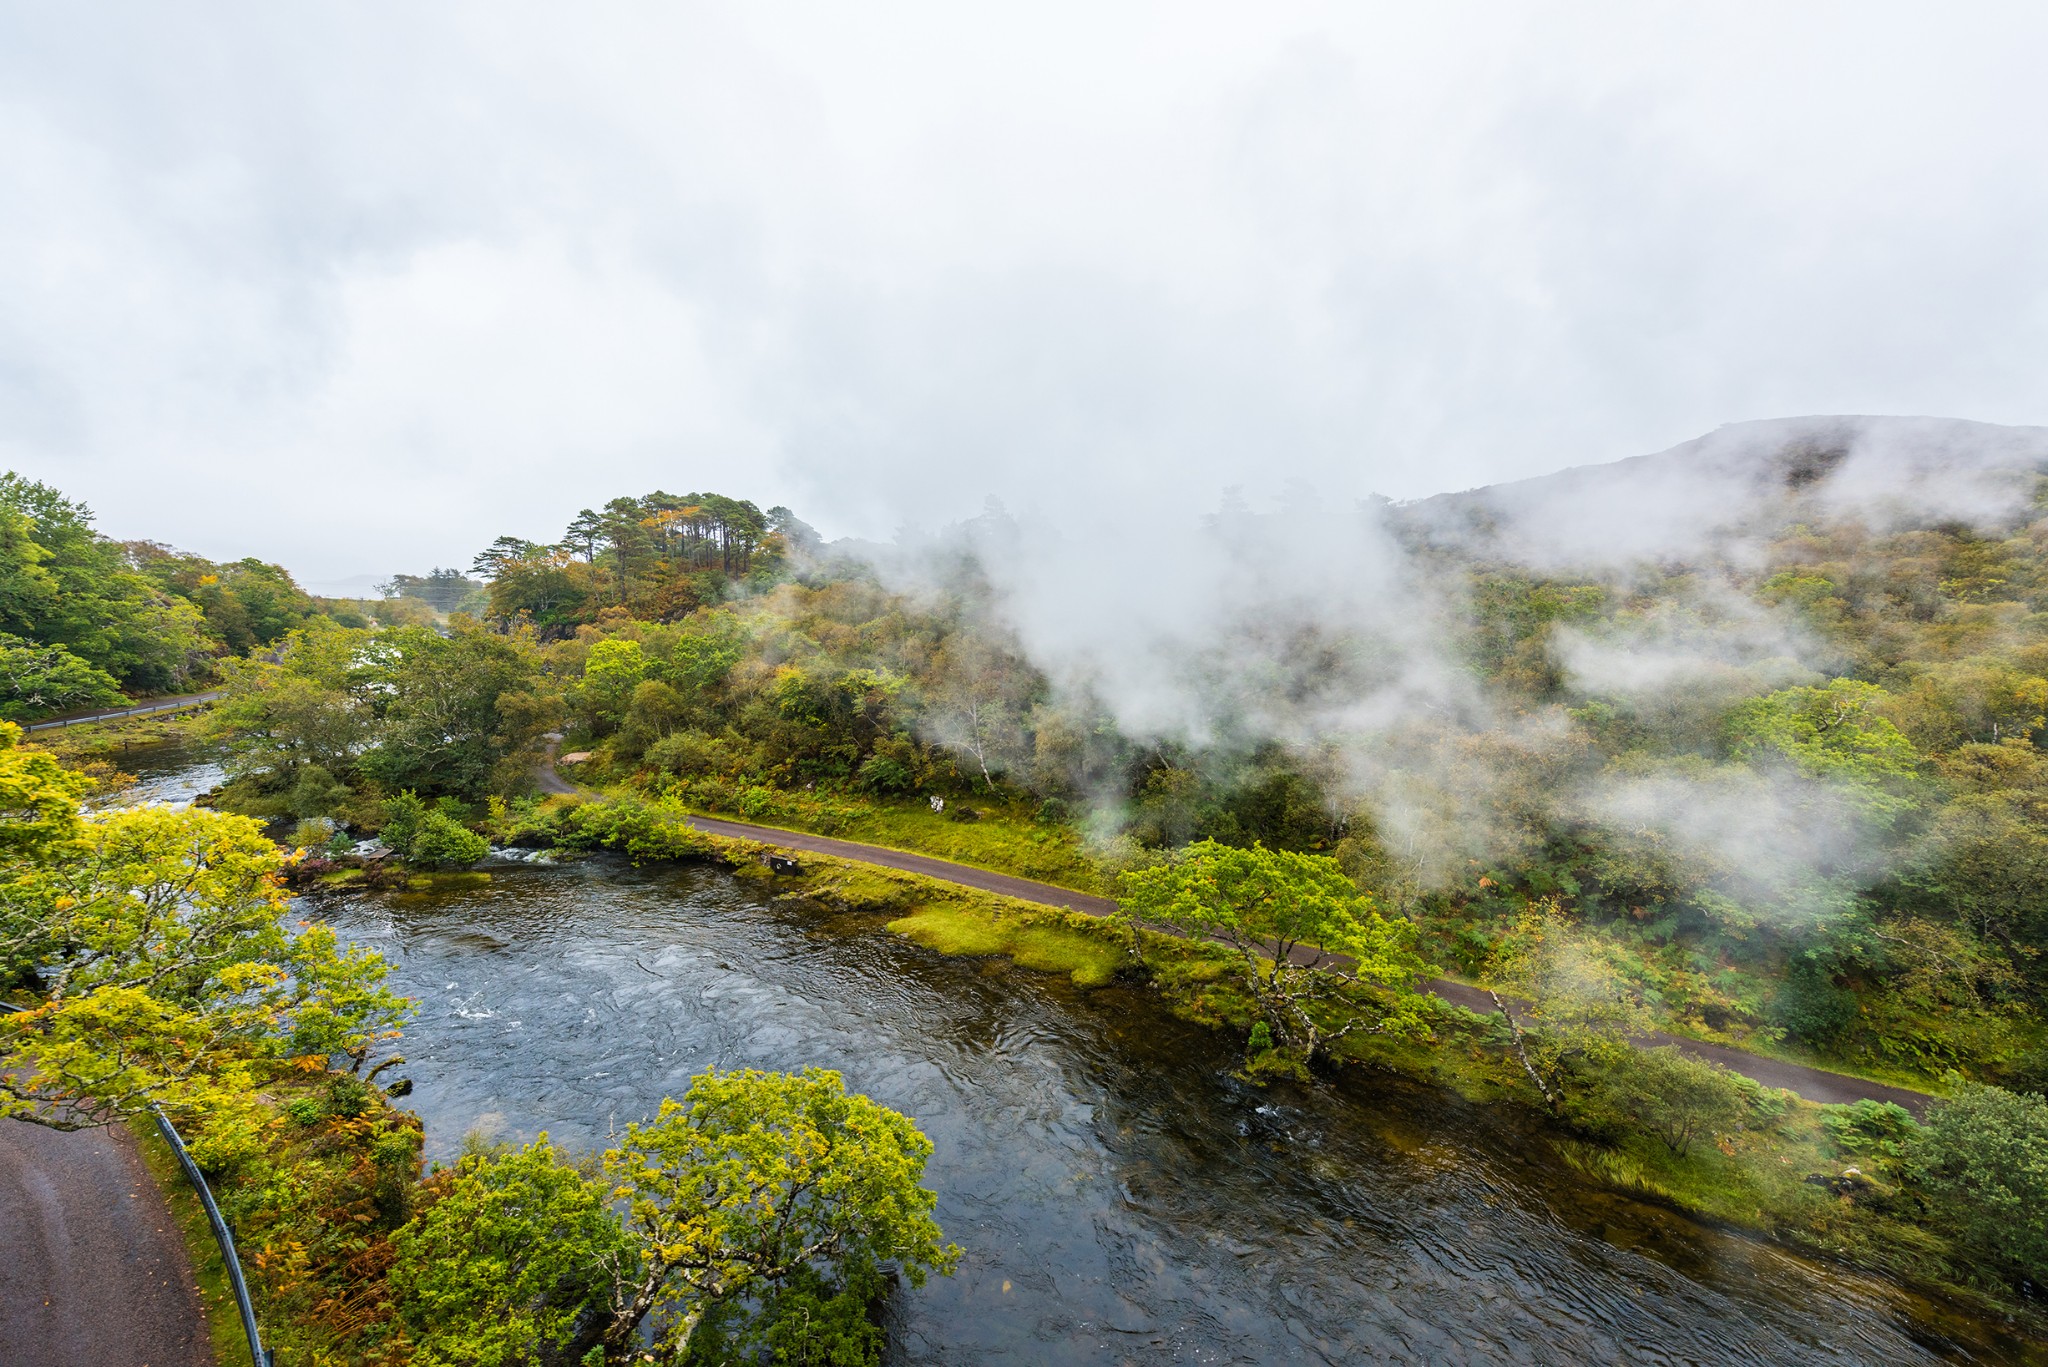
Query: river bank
(747,960)
(1121,1194)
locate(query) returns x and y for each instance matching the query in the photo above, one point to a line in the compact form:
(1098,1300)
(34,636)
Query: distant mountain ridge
(1715,492)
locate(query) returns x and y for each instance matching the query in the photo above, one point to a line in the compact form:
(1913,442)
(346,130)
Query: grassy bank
(209,1270)
(1001,835)
(107,740)
(1792,1171)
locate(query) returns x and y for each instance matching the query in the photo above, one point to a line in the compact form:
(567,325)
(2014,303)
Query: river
(1119,1196)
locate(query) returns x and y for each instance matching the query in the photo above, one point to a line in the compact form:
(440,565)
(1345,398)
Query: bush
(347,1097)
(881,774)
(402,817)
(316,793)
(441,842)
(313,833)
(688,754)
(1982,1159)
(1877,1128)
(1811,1008)
(38,680)
(1678,1098)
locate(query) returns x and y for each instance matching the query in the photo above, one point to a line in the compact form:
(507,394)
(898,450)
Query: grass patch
(1044,945)
(336,877)
(1001,840)
(209,1272)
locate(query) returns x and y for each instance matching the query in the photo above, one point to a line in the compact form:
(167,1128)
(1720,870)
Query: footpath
(1814,1084)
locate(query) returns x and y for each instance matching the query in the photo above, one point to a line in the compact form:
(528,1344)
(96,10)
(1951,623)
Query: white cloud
(463,270)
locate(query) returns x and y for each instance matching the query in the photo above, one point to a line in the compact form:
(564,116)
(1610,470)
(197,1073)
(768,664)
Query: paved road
(93,1271)
(1815,1084)
(138,710)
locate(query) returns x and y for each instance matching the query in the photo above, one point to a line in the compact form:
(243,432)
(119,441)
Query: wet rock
(1849,1182)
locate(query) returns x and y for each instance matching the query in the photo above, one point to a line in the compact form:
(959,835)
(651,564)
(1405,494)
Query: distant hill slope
(1715,493)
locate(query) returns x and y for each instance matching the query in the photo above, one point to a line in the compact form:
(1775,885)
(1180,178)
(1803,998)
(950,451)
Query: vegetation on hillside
(1825,835)
(86,620)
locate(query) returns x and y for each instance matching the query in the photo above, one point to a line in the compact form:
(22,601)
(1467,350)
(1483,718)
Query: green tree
(1836,733)
(461,715)
(1311,948)
(611,672)
(1550,969)
(756,1199)
(512,1251)
(39,681)
(1982,1157)
(158,940)
(1678,1098)
(76,589)
(442,842)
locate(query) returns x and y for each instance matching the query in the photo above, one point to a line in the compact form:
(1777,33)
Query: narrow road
(1815,1084)
(92,1266)
(138,710)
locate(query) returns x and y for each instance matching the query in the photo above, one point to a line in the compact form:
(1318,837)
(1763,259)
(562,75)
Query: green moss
(1002,840)
(1042,944)
(447,881)
(337,877)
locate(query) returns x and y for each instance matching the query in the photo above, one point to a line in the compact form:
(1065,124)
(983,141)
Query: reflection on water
(1121,1199)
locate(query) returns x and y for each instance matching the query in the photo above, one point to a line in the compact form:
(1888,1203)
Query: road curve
(94,1268)
(1814,1084)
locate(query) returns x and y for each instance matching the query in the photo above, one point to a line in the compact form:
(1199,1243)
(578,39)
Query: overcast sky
(359,287)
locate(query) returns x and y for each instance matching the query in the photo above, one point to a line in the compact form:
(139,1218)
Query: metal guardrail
(176,705)
(258,1355)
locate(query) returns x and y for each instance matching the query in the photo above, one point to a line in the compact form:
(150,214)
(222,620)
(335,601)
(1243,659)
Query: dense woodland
(86,621)
(710,656)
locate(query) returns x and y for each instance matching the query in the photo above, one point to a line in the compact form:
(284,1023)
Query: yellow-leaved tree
(153,952)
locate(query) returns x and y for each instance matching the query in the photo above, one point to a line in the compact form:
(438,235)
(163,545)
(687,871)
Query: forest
(87,621)
(1825,842)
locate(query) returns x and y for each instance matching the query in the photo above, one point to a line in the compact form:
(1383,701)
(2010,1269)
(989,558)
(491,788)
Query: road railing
(174,705)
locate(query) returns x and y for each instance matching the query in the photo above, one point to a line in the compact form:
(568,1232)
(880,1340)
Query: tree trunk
(1522,1051)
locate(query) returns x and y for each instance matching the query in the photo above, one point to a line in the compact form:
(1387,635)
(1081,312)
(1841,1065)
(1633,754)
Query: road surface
(93,1271)
(1815,1084)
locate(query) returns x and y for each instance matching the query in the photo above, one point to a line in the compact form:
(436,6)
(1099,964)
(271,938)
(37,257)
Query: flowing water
(1120,1198)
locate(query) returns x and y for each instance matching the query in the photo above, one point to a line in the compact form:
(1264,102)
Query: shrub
(441,842)
(1811,1008)
(1877,1128)
(1982,1159)
(402,817)
(688,754)
(313,833)
(881,774)
(1678,1098)
(347,1096)
(316,793)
